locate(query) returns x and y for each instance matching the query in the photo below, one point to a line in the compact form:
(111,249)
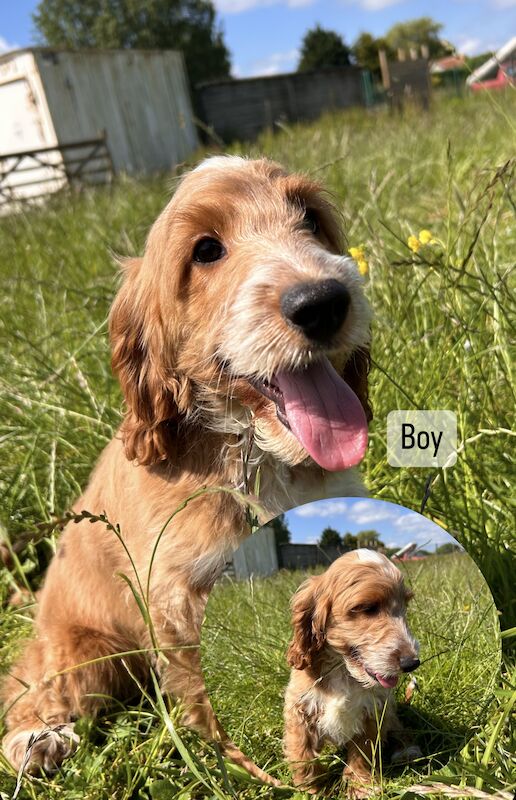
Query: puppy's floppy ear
(309,615)
(154,396)
(356,374)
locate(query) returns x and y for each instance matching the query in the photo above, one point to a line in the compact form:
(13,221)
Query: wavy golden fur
(187,336)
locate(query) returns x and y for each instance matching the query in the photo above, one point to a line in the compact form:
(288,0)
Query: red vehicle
(506,76)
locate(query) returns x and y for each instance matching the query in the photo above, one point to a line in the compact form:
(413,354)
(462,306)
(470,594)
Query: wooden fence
(406,81)
(240,109)
(34,174)
(306,556)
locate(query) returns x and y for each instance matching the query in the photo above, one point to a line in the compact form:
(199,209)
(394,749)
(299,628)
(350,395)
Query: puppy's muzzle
(317,309)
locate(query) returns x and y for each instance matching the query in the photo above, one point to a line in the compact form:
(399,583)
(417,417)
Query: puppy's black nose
(318,309)
(409,664)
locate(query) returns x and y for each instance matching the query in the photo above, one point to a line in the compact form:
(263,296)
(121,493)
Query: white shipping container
(25,124)
(138,98)
(256,555)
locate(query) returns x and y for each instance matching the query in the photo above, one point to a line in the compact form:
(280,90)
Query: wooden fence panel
(306,556)
(240,109)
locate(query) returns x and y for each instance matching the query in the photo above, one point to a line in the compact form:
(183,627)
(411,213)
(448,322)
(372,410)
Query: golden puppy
(351,642)
(223,338)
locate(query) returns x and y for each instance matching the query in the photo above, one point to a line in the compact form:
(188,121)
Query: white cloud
(322,508)
(405,525)
(5,46)
(359,512)
(421,530)
(237,6)
(371,5)
(472,46)
(504,3)
(377,5)
(425,538)
(411,521)
(469,46)
(365,512)
(274,64)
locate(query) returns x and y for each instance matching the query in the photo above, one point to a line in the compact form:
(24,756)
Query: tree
(322,48)
(330,538)
(369,539)
(186,25)
(417,32)
(446,548)
(365,52)
(349,542)
(281,531)
(472,62)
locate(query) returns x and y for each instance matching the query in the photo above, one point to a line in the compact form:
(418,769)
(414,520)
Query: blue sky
(396,525)
(264,35)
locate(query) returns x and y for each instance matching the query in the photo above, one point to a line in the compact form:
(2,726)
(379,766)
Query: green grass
(247,631)
(443,321)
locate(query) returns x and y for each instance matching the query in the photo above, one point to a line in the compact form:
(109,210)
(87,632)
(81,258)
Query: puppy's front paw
(359,784)
(308,776)
(44,749)
(359,790)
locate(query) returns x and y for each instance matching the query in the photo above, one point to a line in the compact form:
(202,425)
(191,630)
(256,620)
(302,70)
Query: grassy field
(444,316)
(247,631)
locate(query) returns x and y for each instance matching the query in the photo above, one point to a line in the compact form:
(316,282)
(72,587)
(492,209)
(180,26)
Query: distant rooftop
(448,63)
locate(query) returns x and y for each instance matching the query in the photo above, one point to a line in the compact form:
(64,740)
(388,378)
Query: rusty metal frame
(77,170)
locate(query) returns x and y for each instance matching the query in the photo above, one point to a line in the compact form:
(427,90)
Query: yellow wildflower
(363,266)
(358,254)
(414,243)
(426,237)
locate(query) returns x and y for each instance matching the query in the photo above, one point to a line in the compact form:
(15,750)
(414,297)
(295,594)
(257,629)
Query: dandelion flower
(414,243)
(426,237)
(358,254)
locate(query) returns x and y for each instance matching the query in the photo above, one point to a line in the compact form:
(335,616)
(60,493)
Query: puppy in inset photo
(350,645)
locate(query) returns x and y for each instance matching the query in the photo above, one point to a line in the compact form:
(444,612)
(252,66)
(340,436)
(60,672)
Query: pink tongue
(386,682)
(325,415)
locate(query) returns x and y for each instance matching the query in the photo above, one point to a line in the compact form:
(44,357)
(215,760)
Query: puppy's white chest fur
(343,717)
(343,707)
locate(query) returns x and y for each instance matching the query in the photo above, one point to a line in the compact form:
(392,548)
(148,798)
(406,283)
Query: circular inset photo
(352,645)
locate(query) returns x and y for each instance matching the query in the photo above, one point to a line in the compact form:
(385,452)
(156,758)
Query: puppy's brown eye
(208,250)
(310,221)
(370,608)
